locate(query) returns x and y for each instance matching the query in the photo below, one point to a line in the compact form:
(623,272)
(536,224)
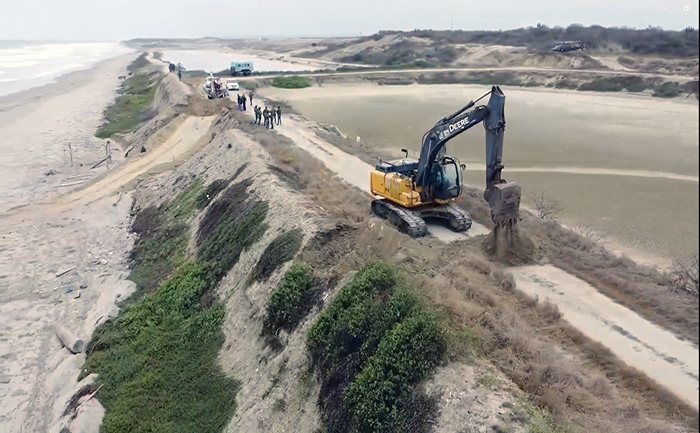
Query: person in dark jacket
(266,116)
(250,95)
(279,115)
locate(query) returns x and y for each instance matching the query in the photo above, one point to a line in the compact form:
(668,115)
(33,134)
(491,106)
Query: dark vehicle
(563,47)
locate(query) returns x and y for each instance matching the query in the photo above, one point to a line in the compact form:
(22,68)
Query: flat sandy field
(625,165)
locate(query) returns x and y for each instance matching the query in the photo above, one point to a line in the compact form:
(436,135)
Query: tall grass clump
(371,347)
(291,300)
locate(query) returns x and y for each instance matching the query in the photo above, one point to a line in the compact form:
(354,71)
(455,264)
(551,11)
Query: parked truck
(241,68)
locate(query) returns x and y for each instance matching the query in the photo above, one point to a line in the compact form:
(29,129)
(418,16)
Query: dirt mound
(512,249)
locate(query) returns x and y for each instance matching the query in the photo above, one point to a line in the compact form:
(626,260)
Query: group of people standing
(271,116)
(242,101)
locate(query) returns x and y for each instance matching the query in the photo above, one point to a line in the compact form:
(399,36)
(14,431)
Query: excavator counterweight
(410,190)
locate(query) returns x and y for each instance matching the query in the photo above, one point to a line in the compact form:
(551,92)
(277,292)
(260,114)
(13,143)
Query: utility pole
(452,22)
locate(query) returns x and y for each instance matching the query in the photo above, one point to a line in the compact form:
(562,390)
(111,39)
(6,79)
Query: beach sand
(58,264)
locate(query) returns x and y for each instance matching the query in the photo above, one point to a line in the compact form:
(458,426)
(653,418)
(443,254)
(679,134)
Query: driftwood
(70,341)
(99,162)
(118,198)
(88,399)
(60,274)
(71,184)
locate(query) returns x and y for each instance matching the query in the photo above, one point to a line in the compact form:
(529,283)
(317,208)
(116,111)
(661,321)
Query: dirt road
(352,169)
(637,342)
(679,78)
(640,344)
(184,141)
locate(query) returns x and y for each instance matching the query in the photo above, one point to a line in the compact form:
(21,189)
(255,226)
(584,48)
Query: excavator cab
(408,191)
(446,180)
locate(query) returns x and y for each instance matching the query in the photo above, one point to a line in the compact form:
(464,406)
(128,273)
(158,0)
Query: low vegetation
(157,360)
(281,250)
(140,62)
(291,300)
(370,347)
(230,225)
(651,40)
(162,235)
(131,107)
(292,82)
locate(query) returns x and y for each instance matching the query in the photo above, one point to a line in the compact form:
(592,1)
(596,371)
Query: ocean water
(27,64)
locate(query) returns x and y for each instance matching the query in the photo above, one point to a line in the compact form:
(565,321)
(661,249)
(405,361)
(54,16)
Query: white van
(232,84)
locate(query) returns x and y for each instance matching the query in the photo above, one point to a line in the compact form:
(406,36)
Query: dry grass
(642,289)
(579,381)
(307,174)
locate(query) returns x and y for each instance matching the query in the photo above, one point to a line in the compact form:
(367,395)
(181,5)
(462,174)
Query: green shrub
(163,233)
(155,258)
(161,242)
(230,225)
(292,299)
(294,82)
(282,249)
(370,347)
(380,399)
(210,192)
(185,204)
(131,107)
(157,361)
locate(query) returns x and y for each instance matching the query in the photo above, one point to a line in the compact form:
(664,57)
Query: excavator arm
(503,197)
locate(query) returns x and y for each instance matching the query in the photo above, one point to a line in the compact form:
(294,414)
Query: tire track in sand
(658,353)
(186,139)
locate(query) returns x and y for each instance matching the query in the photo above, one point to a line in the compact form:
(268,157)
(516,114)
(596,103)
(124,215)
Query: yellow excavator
(411,190)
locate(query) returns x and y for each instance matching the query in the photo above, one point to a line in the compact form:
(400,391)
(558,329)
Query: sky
(112,20)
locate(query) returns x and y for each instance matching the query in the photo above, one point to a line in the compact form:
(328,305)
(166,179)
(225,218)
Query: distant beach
(28,64)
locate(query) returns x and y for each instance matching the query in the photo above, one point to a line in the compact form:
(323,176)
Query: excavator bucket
(504,200)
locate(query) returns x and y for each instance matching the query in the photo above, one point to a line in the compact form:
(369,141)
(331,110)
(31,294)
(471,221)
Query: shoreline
(104,274)
(61,265)
(62,84)
(37,124)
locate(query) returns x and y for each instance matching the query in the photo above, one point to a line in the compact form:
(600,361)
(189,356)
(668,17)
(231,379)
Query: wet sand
(566,144)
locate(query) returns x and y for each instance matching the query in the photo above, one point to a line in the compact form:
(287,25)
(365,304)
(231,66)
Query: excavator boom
(411,189)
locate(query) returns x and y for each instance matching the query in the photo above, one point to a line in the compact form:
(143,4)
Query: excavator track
(404,219)
(459,219)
